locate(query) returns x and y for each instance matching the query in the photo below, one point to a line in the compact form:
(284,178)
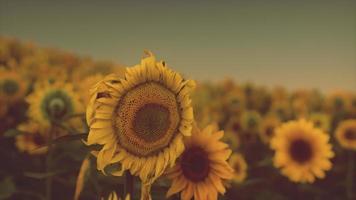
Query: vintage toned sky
(293,43)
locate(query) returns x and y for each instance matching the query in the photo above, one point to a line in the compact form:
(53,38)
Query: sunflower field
(75,128)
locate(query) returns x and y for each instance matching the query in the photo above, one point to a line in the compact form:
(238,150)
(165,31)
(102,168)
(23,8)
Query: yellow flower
(54,102)
(238,163)
(140,119)
(85,85)
(269,125)
(346,134)
(321,120)
(302,151)
(234,101)
(202,167)
(232,139)
(338,102)
(282,109)
(234,125)
(33,139)
(251,121)
(13,86)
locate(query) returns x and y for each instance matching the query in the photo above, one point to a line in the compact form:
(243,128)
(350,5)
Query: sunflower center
(300,151)
(195,164)
(318,123)
(56,108)
(151,121)
(236,126)
(269,131)
(10,87)
(251,122)
(38,139)
(350,134)
(146,119)
(56,105)
(237,167)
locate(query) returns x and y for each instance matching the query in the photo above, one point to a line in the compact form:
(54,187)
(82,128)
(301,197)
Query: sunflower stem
(49,164)
(350,174)
(129,183)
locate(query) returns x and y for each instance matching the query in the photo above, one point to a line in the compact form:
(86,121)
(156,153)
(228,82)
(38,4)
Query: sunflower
(251,121)
(54,103)
(202,167)
(321,120)
(13,87)
(269,125)
(32,139)
(232,139)
(238,163)
(234,101)
(87,83)
(302,151)
(282,109)
(346,134)
(338,102)
(234,124)
(140,119)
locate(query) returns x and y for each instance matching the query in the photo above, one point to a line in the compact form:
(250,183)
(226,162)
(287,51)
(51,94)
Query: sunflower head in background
(13,86)
(234,124)
(140,119)
(238,163)
(269,125)
(85,84)
(282,109)
(321,120)
(346,134)
(338,102)
(302,151)
(251,121)
(32,139)
(202,168)
(232,139)
(55,102)
(234,101)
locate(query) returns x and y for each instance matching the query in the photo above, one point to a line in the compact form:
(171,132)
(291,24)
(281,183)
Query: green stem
(129,183)
(49,164)
(350,174)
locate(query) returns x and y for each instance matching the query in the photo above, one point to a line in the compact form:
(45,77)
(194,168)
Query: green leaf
(7,188)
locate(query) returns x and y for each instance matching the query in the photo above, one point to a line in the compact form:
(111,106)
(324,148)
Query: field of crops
(76,128)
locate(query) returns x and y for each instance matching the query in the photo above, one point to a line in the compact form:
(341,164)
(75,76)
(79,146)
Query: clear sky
(292,43)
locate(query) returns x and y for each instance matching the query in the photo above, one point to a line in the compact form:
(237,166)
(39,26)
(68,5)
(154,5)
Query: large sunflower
(140,119)
(201,169)
(346,134)
(238,163)
(54,103)
(13,86)
(302,151)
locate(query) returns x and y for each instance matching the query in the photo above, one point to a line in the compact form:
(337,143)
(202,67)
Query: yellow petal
(178,185)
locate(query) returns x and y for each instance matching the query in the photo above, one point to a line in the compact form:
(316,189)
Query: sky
(296,44)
